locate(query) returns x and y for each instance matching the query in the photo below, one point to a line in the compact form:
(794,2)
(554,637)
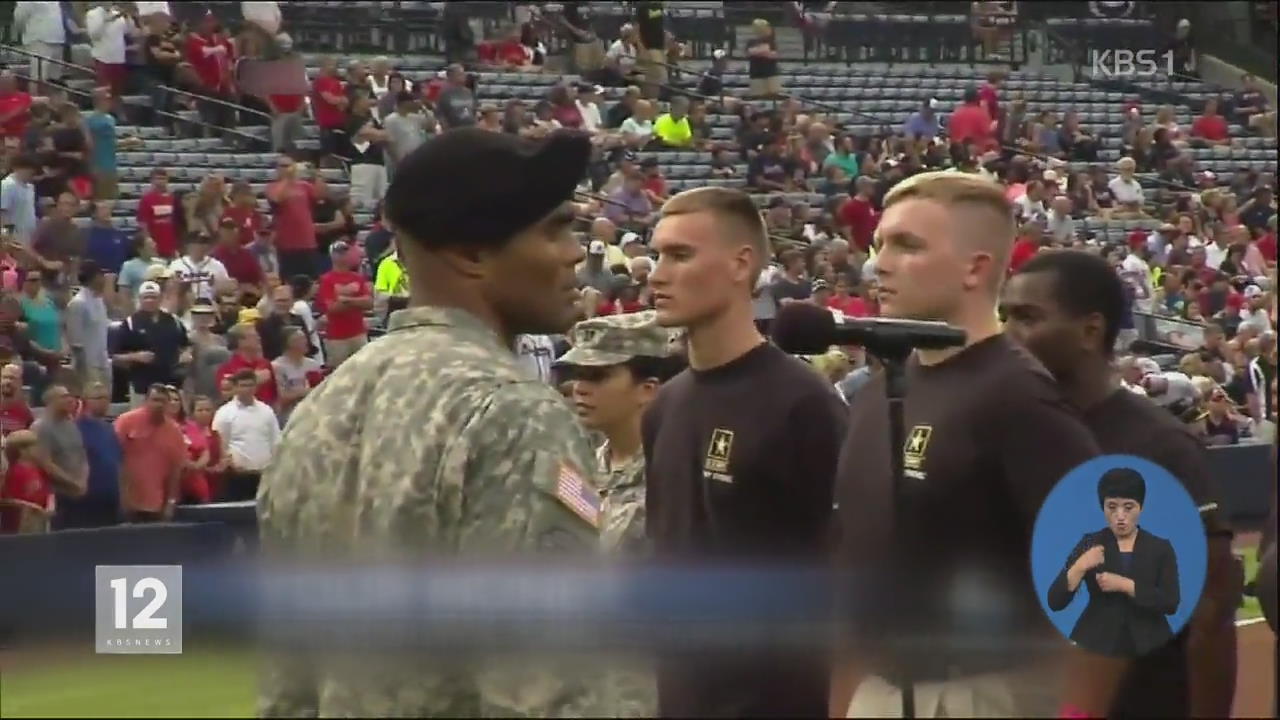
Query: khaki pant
(40,69)
(336,352)
(655,73)
(588,56)
(764,87)
(368,185)
(1010,695)
(105,186)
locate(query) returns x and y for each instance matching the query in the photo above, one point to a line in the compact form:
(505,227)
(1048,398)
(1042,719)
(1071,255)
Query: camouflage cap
(614,339)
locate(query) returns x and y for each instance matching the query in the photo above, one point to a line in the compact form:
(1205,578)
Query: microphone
(802,328)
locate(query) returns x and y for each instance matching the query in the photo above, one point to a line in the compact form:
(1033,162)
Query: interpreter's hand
(1091,559)
(1111,582)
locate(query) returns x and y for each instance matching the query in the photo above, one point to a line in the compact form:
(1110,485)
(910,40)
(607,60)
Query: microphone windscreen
(801,328)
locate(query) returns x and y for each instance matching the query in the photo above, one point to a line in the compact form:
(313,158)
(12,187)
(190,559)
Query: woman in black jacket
(1131,574)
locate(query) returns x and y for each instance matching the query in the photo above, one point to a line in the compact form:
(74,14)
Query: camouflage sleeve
(530,486)
(530,479)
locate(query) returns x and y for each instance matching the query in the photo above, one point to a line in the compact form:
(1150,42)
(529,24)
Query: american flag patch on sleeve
(579,497)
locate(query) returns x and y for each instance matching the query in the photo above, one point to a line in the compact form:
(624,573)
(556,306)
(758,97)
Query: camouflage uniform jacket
(622,525)
(430,441)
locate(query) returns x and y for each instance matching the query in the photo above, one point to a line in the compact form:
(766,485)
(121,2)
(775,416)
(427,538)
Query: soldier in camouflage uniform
(617,362)
(431,441)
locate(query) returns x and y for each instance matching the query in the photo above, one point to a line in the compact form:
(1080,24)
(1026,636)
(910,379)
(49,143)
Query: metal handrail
(93,72)
(89,94)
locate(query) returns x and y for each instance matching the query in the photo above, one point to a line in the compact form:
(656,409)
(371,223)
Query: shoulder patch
(576,494)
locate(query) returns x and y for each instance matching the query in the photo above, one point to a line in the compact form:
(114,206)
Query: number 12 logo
(138,609)
(144,620)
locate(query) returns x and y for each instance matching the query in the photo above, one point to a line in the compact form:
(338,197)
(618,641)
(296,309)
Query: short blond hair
(727,202)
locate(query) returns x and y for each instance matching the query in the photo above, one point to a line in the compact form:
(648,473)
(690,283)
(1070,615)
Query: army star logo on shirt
(913,453)
(719,451)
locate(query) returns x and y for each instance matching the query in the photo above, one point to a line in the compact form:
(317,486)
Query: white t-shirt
(1030,210)
(204,275)
(1138,272)
(1180,388)
(535,354)
(1126,192)
(1214,255)
(631,126)
(624,53)
(591,120)
(303,310)
(107,35)
(251,433)
(293,377)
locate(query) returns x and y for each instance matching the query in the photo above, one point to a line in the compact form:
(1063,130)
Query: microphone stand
(893,355)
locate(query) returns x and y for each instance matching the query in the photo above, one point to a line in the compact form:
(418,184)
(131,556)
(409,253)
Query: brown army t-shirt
(739,463)
(988,435)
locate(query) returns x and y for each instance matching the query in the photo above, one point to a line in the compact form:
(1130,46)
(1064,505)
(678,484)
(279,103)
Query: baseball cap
(1253,291)
(148,288)
(596,247)
(445,190)
(628,238)
(202,306)
(614,339)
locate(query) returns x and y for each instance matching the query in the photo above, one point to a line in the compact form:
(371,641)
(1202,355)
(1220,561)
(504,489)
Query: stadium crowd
(167,361)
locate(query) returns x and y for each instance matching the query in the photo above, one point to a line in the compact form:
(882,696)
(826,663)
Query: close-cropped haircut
(729,203)
(963,190)
(1124,483)
(1083,283)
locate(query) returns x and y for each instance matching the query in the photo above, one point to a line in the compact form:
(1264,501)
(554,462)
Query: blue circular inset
(1072,511)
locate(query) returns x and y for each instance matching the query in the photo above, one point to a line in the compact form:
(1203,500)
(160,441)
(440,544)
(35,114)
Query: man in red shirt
(1267,242)
(247,354)
(989,93)
(329,104)
(15,111)
(154,454)
(846,302)
(1029,242)
(344,296)
(211,55)
(1210,126)
(155,213)
(858,216)
(295,229)
(240,263)
(971,123)
(15,414)
(243,212)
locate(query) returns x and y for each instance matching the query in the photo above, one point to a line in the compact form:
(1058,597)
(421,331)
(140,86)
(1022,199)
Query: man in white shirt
(18,200)
(1135,270)
(1030,207)
(1216,251)
(250,433)
(108,31)
(44,34)
(1125,188)
(589,106)
(204,273)
(1061,226)
(1255,312)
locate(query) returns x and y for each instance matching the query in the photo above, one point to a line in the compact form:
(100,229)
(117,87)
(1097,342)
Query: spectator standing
(238,260)
(970,123)
(456,106)
(651,33)
(246,354)
(100,505)
(858,216)
(156,214)
(368,142)
(58,243)
(204,448)
(133,272)
(15,413)
(203,209)
(160,59)
(250,432)
(274,327)
(762,61)
(24,481)
(87,326)
(344,297)
(208,350)
(244,213)
(406,129)
(295,231)
(18,200)
(329,105)
(332,217)
(211,55)
(296,374)
(152,345)
(110,28)
(154,454)
(197,269)
(15,112)
(43,30)
(63,459)
(286,120)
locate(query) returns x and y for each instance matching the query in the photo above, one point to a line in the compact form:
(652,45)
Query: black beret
(478,187)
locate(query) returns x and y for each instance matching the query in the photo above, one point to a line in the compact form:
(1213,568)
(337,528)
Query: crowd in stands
(223,311)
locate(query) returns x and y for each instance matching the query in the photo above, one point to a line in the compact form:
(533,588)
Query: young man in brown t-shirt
(740,451)
(988,436)
(1066,308)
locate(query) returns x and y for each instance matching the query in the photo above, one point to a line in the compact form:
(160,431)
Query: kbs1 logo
(1118,64)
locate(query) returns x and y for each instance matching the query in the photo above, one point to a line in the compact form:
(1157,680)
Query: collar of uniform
(437,316)
(605,460)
